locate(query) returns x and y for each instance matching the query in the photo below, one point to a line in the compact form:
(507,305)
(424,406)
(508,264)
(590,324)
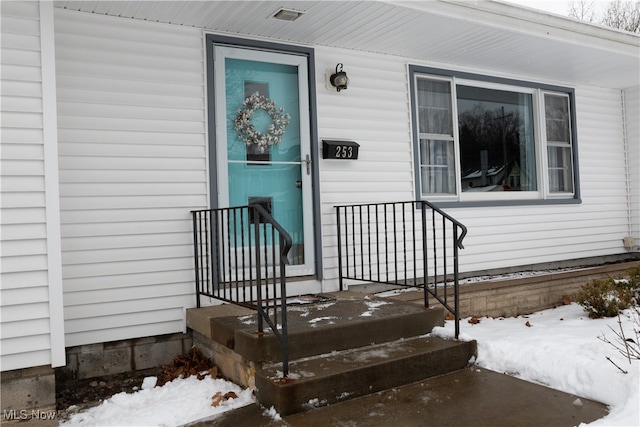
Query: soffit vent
(287,14)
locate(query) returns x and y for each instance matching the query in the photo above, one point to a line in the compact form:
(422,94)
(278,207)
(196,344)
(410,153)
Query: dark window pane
(497,144)
(260,120)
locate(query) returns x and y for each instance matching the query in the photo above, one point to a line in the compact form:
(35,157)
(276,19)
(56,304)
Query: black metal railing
(240,257)
(402,243)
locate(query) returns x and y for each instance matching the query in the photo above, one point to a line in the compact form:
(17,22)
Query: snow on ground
(558,348)
(178,402)
(512,276)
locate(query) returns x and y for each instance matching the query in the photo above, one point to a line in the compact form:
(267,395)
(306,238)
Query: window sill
(490,203)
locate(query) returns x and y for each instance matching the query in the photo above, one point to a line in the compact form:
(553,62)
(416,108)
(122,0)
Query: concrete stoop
(349,346)
(347,374)
(337,326)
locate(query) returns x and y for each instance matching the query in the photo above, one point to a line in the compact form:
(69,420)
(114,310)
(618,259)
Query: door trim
(213,40)
(283,168)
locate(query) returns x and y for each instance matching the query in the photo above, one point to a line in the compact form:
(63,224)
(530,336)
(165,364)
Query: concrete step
(334,325)
(347,374)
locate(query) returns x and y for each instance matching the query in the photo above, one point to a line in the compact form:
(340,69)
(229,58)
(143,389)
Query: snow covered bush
(607,297)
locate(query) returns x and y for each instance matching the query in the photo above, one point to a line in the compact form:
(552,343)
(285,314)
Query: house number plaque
(342,150)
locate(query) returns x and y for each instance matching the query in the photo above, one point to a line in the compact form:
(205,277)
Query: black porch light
(339,79)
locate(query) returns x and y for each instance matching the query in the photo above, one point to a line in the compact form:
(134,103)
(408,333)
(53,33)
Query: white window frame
(453,139)
(543,192)
(570,145)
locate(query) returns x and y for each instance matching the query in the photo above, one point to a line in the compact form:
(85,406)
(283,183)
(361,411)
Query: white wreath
(246,131)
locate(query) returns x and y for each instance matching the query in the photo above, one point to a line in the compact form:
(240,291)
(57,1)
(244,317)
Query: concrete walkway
(470,397)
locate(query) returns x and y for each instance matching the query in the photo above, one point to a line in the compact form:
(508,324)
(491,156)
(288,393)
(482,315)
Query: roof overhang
(486,36)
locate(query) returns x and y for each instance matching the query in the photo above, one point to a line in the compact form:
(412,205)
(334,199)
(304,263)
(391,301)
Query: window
(558,133)
(437,166)
(481,139)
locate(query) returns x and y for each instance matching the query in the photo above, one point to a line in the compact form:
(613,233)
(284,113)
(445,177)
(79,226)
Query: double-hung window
(435,123)
(488,140)
(558,139)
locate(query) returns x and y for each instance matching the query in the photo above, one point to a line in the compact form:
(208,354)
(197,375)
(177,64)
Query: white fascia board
(541,24)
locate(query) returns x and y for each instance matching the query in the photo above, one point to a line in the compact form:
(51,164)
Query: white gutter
(629,243)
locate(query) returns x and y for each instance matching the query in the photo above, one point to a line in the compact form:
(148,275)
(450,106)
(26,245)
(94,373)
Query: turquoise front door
(262,141)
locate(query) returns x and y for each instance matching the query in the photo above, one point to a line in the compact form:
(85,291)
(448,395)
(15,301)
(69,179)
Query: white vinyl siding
(133,163)
(374,115)
(377,116)
(133,159)
(24,292)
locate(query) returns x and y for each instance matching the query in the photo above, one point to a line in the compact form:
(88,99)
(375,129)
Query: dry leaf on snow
(218,398)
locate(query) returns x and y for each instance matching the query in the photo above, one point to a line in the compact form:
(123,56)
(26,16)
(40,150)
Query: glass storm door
(262,141)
